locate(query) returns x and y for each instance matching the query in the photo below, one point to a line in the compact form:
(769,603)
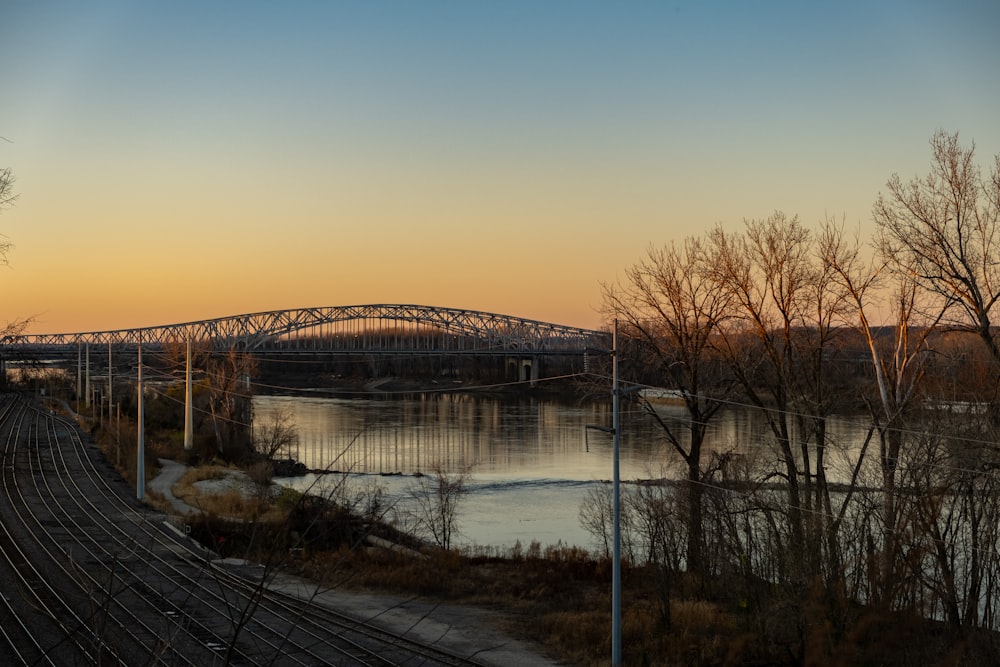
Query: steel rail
(53,602)
(247,600)
(319,617)
(270,604)
(19,637)
(124,585)
(205,592)
(105,601)
(73,528)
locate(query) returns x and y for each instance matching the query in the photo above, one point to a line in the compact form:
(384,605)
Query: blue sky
(181,160)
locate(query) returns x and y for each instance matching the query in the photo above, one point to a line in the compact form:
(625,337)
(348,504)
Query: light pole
(111,383)
(188,402)
(140,458)
(616,557)
(616,514)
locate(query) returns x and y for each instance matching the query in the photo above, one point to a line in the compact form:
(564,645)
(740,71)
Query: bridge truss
(384,328)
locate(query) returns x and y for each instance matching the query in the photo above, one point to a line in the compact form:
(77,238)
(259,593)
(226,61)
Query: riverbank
(556,601)
(462,629)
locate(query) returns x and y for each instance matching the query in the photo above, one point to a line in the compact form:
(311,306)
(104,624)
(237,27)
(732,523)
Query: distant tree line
(313,365)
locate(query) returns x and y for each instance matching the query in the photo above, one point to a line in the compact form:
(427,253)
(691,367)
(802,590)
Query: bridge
(384,329)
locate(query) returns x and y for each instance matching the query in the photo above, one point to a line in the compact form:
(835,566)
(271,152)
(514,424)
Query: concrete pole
(616,564)
(111,383)
(87,376)
(79,373)
(188,402)
(140,458)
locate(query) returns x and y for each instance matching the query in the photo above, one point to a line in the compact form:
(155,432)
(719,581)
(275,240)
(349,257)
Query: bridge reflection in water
(521,438)
(528,438)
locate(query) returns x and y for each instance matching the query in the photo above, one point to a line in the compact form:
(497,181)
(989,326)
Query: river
(531,462)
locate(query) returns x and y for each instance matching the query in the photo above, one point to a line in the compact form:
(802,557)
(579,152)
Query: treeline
(341,369)
(801,324)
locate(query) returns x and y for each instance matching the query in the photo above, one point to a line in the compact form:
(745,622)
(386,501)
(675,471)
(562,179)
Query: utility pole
(140,458)
(616,562)
(111,382)
(616,514)
(87,375)
(188,402)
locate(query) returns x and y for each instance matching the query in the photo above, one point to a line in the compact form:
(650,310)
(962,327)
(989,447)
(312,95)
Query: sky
(184,160)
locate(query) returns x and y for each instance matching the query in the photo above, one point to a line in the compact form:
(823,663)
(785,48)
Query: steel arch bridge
(384,328)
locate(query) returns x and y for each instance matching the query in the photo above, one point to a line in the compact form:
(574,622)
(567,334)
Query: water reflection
(528,439)
(520,438)
(532,461)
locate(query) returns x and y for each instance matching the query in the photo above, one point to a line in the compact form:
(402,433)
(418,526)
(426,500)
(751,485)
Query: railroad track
(89,575)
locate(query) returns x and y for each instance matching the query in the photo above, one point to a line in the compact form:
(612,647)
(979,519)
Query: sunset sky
(184,160)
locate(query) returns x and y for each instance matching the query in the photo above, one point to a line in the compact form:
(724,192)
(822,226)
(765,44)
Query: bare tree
(597,518)
(223,392)
(764,271)
(671,303)
(228,379)
(7,198)
(7,195)
(276,437)
(899,352)
(273,439)
(436,499)
(944,230)
(780,350)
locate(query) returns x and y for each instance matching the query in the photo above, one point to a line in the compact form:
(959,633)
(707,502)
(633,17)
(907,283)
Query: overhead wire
(775,492)
(822,513)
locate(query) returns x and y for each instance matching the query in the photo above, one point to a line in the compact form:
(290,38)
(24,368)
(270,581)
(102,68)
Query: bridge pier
(525,369)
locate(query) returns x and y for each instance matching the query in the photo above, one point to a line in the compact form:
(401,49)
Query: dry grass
(235,498)
(157,500)
(228,502)
(206,473)
(558,598)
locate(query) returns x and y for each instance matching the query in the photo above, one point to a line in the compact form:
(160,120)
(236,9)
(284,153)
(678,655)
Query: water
(531,462)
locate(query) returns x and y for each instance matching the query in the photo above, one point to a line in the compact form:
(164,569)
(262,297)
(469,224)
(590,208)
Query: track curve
(89,575)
